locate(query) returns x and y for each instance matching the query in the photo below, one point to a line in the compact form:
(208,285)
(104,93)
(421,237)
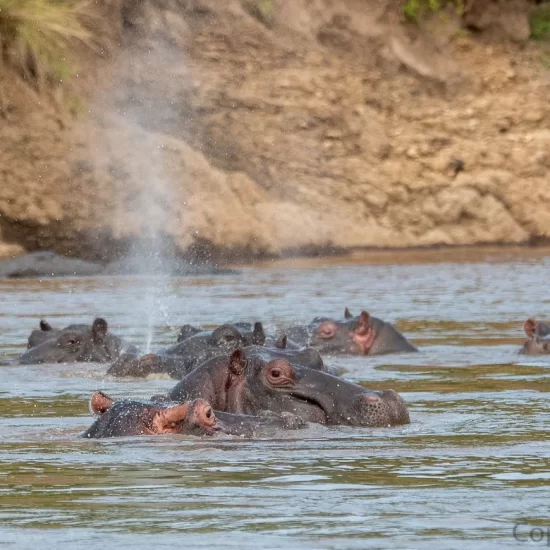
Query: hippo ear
(100,403)
(530,327)
(99,330)
(258,336)
(347,314)
(45,326)
(364,322)
(237,362)
(281,341)
(186,331)
(165,420)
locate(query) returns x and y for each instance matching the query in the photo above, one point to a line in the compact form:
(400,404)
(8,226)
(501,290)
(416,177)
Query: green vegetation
(36,36)
(545,60)
(540,23)
(414,10)
(261,10)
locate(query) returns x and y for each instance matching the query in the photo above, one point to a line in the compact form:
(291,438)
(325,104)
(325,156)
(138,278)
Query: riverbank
(325,128)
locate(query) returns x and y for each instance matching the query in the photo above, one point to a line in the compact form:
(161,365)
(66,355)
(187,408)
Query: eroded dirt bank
(338,125)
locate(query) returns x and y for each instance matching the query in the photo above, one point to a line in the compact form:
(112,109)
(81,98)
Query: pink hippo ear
(281,342)
(165,420)
(100,403)
(237,362)
(347,314)
(530,327)
(364,322)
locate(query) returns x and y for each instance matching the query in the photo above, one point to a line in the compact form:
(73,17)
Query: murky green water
(473,463)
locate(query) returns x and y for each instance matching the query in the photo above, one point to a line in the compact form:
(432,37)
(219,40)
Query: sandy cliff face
(336,127)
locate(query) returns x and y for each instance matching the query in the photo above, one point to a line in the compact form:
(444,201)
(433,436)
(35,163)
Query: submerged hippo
(75,343)
(250,334)
(361,335)
(536,332)
(46,263)
(247,385)
(126,418)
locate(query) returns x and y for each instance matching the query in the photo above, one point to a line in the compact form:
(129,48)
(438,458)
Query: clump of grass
(261,10)
(540,23)
(36,36)
(414,10)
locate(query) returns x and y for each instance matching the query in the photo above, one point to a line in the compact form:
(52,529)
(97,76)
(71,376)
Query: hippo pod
(128,418)
(247,384)
(74,343)
(177,366)
(361,335)
(538,338)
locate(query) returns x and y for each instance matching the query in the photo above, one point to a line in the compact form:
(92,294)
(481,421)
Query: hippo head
(354,336)
(315,396)
(533,328)
(76,343)
(245,333)
(125,418)
(225,338)
(536,343)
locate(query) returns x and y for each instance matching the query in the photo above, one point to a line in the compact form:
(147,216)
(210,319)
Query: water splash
(145,194)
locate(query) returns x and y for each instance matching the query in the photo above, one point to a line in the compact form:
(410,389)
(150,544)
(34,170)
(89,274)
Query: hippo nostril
(371,399)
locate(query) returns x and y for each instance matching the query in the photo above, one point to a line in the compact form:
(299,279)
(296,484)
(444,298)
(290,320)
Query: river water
(472,465)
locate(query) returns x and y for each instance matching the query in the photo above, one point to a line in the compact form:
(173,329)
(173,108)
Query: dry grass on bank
(36,36)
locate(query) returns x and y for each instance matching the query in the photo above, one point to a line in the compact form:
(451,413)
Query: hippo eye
(208,413)
(275,373)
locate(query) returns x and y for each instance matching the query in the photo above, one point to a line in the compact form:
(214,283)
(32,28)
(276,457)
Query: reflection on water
(473,463)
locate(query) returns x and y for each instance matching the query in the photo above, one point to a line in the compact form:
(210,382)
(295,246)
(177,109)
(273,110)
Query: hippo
(127,418)
(76,343)
(361,335)
(250,334)
(246,384)
(536,344)
(45,263)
